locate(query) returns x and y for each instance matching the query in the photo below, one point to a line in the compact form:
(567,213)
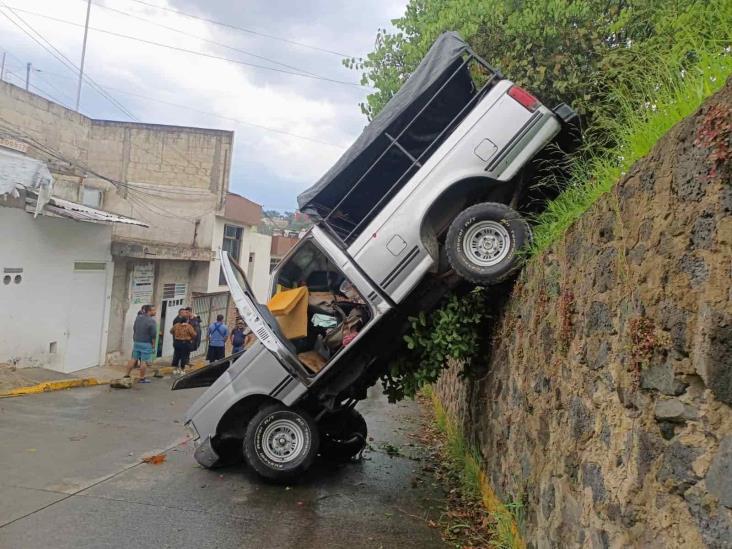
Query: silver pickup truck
(432,189)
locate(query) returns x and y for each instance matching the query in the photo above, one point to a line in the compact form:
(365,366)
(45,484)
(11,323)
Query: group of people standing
(218,333)
(186,332)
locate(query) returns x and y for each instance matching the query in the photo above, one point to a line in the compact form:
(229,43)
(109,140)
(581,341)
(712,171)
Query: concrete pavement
(71,476)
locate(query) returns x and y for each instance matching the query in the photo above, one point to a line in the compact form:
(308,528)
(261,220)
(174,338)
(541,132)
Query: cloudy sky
(167,86)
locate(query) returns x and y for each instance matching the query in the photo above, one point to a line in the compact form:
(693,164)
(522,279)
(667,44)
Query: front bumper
(204,453)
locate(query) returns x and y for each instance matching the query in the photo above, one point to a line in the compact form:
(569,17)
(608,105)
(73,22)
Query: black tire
(262,429)
(504,226)
(343,435)
(229,450)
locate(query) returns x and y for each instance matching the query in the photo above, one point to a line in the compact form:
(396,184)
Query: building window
(91,197)
(250,268)
(231,244)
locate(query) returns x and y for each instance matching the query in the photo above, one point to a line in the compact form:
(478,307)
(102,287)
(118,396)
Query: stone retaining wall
(606,408)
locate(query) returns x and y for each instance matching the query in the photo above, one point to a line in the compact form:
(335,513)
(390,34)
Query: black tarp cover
(445,55)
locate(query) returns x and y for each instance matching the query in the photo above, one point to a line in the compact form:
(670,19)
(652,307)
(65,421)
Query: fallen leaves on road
(157,459)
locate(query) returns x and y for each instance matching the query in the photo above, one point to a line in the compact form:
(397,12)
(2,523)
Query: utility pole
(83,55)
(2,67)
(27,76)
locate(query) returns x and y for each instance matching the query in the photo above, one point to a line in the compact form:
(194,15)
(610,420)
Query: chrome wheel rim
(486,243)
(283,441)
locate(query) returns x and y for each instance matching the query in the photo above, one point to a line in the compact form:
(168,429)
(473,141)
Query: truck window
(334,313)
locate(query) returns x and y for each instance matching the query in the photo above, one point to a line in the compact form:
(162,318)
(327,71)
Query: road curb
(60,385)
(48,386)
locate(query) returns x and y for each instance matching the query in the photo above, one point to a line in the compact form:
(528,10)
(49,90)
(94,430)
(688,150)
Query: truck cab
(433,190)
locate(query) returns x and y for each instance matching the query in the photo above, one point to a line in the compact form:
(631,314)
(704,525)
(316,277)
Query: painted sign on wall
(143,279)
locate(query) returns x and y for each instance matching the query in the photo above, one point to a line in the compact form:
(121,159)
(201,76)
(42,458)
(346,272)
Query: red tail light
(525,98)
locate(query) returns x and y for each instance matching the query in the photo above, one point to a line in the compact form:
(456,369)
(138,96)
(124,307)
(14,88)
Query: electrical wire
(135,196)
(185,159)
(33,86)
(236,120)
(69,101)
(59,56)
(198,37)
(190,52)
(71,66)
(242,29)
(208,113)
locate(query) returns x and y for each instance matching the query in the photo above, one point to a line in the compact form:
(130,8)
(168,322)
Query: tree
(573,51)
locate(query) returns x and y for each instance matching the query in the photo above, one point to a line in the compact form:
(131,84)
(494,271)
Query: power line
(185,159)
(70,65)
(242,29)
(197,37)
(236,120)
(190,52)
(59,56)
(61,92)
(130,194)
(33,86)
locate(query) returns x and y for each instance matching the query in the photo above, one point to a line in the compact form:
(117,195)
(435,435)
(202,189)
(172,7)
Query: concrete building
(175,179)
(235,231)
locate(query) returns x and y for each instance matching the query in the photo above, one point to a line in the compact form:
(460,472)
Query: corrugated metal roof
(66,208)
(21,172)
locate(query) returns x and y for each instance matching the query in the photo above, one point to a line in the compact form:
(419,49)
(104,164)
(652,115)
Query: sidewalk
(17,381)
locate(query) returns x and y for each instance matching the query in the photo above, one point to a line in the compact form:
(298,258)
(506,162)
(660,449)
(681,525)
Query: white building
(56,270)
(235,231)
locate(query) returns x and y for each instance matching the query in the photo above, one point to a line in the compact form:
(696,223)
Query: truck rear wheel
(343,435)
(280,442)
(483,240)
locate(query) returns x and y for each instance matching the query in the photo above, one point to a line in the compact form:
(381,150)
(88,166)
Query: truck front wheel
(280,442)
(483,240)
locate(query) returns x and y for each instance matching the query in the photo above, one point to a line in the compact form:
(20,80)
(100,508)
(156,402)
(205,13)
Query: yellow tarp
(290,308)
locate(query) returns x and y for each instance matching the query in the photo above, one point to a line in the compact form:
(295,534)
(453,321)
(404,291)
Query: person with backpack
(217,335)
(238,338)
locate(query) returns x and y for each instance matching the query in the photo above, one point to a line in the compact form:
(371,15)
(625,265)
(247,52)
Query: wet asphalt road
(71,477)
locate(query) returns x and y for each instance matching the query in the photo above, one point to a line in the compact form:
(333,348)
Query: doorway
(168,312)
(86,315)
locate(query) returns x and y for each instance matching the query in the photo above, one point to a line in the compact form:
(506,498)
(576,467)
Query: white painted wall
(41,308)
(252,242)
(260,245)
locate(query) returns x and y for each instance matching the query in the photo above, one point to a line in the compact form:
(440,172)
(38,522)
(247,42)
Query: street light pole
(2,67)
(27,76)
(83,55)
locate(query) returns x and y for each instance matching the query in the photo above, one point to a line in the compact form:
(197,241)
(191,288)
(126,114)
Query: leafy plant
(453,331)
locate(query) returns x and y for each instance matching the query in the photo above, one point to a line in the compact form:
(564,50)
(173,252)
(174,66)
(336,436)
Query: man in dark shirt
(182,316)
(144,333)
(195,321)
(238,338)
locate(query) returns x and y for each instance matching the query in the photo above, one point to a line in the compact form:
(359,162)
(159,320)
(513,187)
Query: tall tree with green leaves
(570,51)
